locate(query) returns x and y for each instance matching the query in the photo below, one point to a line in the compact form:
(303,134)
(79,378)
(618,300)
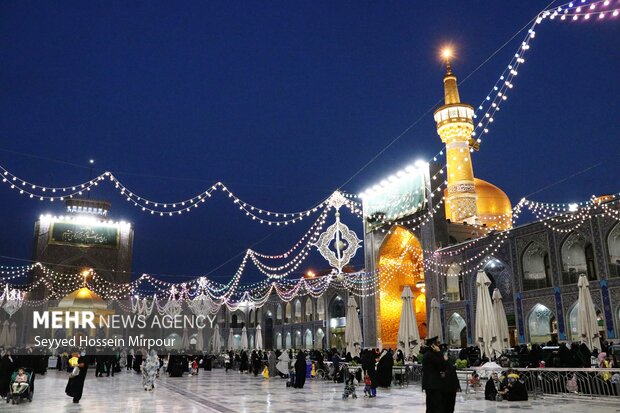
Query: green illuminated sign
(81,235)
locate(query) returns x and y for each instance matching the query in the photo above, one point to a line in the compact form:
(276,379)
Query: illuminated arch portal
(400,264)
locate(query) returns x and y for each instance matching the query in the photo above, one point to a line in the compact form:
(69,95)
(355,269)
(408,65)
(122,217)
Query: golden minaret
(455,125)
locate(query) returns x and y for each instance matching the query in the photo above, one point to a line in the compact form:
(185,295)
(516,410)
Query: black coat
(384,370)
(6,370)
(300,372)
(433,364)
(451,380)
(490,390)
(75,386)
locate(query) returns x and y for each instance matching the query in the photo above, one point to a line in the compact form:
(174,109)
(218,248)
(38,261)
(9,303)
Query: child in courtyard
(21,382)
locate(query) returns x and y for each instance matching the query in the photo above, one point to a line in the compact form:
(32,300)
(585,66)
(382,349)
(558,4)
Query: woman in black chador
(243,365)
(6,370)
(433,376)
(256,363)
(384,369)
(300,370)
(75,386)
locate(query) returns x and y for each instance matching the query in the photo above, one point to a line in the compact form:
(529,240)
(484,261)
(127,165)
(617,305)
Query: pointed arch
(279,341)
(577,258)
(320,335)
(297,309)
(536,267)
(308,341)
(297,340)
(400,263)
(279,313)
(457,330)
(309,313)
(320,308)
(613,250)
(500,275)
(454,283)
(288,313)
(540,323)
(288,341)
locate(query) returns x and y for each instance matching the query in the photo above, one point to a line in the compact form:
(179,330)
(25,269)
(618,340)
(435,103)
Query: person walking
(451,386)
(256,363)
(75,386)
(283,365)
(433,374)
(272,360)
(149,371)
(300,370)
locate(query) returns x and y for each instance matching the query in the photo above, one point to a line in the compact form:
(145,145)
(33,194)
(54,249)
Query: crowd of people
(373,368)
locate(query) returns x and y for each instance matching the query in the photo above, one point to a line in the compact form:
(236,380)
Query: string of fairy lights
(563,218)
(233,293)
(579,9)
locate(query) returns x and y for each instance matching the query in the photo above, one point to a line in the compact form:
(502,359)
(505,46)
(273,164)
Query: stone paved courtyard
(231,392)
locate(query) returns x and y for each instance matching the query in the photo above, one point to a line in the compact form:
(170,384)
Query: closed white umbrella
(408,334)
(13,335)
(244,339)
(231,340)
(4,334)
(434,323)
(587,326)
(199,340)
(259,338)
(216,341)
(353,329)
(184,340)
(487,336)
(500,317)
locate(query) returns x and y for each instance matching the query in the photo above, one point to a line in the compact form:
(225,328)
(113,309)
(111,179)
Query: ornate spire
(451,90)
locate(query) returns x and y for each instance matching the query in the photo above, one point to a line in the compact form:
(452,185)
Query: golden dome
(493,206)
(83,299)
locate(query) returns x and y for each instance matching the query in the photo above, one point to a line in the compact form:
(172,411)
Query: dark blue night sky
(284,101)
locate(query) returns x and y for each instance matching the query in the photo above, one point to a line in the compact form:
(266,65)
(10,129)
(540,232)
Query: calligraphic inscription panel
(81,235)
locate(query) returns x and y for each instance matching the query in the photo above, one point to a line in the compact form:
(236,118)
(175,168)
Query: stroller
(17,393)
(349,387)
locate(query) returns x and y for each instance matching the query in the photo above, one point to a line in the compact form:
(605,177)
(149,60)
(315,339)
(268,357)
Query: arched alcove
(500,276)
(454,283)
(457,331)
(279,341)
(320,308)
(288,341)
(297,318)
(288,316)
(577,258)
(337,321)
(540,324)
(536,267)
(279,314)
(613,248)
(320,335)
(308,342)
(400,263)
(308,306)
